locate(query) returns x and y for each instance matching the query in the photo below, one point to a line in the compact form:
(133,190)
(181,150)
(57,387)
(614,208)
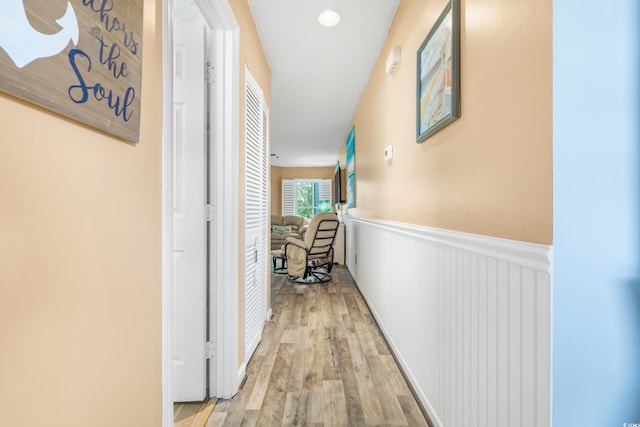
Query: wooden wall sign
(80,58)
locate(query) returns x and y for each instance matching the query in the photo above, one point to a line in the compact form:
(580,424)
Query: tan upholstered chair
(296,226)
(310,260)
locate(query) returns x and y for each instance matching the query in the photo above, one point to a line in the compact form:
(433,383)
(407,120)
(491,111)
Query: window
(303,197)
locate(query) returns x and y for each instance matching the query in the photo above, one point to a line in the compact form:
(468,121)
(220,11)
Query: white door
(256,215)
(189,235)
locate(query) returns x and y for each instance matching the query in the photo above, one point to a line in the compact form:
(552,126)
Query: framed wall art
(438,77)
(351,168)
(78,58)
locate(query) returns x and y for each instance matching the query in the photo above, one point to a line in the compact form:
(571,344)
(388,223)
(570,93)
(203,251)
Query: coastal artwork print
(351,168)
(438,87)
(78,58)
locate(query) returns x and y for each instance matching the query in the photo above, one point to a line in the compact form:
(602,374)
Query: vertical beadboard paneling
(467,316)
(483,348)
(447,353)
(502,352)
(430,328)
(492,342)
(515,345)
(542,348)
(466,339)
(474,333)
(528,301)
(438,343)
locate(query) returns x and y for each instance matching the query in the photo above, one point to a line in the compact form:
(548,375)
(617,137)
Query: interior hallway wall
(489,172)
(596,214)
(276,190)
(80,269)
(449,241)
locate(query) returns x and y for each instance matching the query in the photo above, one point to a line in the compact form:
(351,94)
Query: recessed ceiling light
(329,18)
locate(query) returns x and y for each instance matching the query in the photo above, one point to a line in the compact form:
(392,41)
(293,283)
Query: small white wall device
(393,60)
(388,153)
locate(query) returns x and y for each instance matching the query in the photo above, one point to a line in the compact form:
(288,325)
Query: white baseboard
(242,372)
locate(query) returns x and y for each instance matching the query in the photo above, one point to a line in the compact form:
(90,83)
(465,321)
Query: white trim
(533,255)
(167,213)
(218,14)
(226,199)
(242,372)
(267,205)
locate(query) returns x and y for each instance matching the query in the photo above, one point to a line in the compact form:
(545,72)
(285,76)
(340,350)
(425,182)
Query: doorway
(222,207)
(192,339)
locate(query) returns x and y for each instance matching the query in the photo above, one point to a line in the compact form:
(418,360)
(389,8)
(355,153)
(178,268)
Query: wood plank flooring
(322,362)
(193,414)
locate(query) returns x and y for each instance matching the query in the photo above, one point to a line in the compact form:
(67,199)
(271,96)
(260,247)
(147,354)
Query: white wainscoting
(468,317)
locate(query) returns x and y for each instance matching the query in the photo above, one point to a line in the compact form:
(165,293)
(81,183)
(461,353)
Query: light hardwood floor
(322,362)
(193,414)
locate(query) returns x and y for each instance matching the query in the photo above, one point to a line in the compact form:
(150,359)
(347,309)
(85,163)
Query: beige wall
(280,173)
(80,285)
(276,190)
(80,269)
(251,55)
(490,172)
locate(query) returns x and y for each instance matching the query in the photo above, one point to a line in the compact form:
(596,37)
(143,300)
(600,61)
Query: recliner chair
(311,260)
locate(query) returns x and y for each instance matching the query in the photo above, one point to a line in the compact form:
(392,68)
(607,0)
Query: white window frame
(290,193)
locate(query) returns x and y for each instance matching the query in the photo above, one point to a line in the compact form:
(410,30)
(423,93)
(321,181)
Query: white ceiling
(318,74)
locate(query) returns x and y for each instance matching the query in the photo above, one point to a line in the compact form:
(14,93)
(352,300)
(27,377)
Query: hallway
(322,361)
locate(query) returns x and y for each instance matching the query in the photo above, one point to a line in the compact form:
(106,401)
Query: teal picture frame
(351,168)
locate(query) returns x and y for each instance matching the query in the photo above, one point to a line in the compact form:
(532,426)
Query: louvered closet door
(266,237)
(256,220)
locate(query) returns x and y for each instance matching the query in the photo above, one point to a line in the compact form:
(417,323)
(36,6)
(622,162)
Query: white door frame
(224,188)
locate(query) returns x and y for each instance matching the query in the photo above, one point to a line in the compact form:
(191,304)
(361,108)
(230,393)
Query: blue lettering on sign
(109,59)
(80,93)
(112,23)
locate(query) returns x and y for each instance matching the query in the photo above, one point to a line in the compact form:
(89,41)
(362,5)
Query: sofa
(287,226)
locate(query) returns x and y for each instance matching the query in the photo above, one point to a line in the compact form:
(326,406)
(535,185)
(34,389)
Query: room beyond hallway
(322,361)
